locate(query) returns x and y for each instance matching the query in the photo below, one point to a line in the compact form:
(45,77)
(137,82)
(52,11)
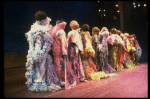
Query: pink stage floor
(129,83)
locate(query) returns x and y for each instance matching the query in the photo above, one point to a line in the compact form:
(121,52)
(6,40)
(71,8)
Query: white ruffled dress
(40,74)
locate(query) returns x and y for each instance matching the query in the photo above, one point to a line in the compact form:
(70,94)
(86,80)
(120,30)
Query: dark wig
(40,15)
(85,27)
(59,21)
(113,30)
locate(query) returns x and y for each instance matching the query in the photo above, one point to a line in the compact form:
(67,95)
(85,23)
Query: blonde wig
(74,25)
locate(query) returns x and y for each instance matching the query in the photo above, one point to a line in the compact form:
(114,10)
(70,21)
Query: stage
(130,83)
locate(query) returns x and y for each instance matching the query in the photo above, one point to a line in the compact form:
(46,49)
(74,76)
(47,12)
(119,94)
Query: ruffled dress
(40,73)
(75,47)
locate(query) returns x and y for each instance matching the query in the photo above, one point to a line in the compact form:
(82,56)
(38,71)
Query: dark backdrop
(18,16)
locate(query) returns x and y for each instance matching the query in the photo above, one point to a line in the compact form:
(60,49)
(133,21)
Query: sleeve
(64,43)
(73,39)
(120,39)
(110,40)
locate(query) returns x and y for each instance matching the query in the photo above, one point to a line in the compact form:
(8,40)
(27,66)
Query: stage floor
(131,83)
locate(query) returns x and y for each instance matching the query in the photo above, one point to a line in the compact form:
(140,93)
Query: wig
(95,30)
(113,31)
(104,29)
(74,25)
(60,24)
(85,27)
(40,15)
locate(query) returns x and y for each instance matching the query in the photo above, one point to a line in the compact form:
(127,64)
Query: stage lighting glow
(138,4)
(134,6)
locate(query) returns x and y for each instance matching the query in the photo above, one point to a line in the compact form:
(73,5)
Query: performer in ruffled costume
(116,50)
(40,72)
(103,35)
(75,49)
(127,61)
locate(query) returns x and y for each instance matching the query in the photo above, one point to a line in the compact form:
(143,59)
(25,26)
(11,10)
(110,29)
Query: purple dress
(103,40)
(74,60)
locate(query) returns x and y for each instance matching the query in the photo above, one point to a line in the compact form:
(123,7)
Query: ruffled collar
(41,25)
(44,21)
(59,27)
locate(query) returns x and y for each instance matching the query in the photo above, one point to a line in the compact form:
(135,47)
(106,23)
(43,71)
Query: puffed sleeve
(74,40)
(62,35)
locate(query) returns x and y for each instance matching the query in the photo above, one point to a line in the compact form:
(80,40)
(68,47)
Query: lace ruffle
(43,87)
